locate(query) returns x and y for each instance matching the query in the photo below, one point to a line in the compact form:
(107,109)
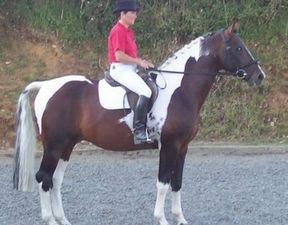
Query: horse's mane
(192,49)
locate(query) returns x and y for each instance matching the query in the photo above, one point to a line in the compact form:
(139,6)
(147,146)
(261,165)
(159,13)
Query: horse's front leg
(176,184)
(163,183)
(159,214)
(171,164)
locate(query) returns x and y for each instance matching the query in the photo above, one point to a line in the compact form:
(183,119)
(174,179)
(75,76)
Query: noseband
(241,70)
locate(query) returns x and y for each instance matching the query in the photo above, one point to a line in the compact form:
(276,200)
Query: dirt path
(219,187)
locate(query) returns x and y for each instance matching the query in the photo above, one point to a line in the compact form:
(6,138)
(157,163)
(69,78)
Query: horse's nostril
(260,76)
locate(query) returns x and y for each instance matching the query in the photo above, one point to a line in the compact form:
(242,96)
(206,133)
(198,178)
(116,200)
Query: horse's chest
(159,115)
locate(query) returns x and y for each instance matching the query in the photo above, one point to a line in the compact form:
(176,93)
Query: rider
(123,60)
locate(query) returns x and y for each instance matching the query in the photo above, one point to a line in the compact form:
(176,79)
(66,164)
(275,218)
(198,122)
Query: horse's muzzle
(256,80)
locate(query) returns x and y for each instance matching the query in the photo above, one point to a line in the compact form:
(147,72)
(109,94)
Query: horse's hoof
(53,222)
(64,221)
(183,222)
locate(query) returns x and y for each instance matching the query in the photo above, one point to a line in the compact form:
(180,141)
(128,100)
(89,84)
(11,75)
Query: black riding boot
(139,121)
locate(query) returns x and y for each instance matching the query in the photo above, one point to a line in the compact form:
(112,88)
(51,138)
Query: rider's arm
(124,58)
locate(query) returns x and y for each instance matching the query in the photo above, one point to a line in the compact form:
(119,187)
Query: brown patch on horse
(113,135)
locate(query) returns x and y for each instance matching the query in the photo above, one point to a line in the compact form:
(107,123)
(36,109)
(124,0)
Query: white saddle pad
(112,97)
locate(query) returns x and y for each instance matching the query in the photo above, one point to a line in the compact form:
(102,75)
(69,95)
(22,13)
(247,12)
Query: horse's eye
(239,49)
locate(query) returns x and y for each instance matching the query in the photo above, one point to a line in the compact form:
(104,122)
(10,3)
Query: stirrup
(139,141)
(147,140)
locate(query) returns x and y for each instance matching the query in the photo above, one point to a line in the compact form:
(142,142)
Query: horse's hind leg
(55,193)
(50,177)
(51,201)
(44,177)
(46,209)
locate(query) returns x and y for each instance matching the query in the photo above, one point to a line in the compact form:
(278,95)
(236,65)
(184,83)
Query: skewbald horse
(71,108)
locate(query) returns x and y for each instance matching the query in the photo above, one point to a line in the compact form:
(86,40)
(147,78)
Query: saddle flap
(112,97)
(112,93)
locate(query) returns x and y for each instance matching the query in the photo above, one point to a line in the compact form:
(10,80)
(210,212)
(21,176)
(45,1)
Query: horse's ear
(231,29)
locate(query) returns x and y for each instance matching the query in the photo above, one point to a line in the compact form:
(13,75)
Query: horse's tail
(23,178)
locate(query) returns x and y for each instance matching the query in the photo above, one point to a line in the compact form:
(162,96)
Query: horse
(72,108)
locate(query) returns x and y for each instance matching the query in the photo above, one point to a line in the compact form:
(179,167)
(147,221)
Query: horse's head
(237,59)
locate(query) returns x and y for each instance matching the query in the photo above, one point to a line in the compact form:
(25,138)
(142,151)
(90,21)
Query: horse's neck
(200,66)
(195,89)
(198,79)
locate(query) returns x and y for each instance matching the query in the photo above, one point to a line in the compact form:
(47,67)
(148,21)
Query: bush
(162,26)
(159,22)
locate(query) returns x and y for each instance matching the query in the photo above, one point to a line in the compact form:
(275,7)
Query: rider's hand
(145,64)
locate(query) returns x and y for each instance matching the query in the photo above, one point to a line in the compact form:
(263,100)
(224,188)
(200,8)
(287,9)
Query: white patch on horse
(46,209)
(177,62)
(162,190)
(128,119)
(49,88)
(177,209)
(55,193)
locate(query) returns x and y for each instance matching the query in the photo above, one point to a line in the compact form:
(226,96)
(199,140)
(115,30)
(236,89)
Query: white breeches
(126,75)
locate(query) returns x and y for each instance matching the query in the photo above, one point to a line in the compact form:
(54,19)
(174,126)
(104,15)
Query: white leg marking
(46,209)
(177,209)
(160,202)
(55,192)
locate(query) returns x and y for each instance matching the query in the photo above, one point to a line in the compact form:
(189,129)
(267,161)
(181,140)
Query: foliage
(242,116)
(61,17)
(232,110)
(159,21)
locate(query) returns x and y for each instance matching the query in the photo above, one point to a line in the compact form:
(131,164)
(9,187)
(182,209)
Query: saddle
(131,96)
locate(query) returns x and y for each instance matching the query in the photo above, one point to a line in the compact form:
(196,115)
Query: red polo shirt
(121,38)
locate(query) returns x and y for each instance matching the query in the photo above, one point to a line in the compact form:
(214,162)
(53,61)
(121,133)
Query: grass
(243,116)
(61,17)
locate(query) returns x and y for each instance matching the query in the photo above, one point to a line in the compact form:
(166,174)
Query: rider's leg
(127,76)
(140,117)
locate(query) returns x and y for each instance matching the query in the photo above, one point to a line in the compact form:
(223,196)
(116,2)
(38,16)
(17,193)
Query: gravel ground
(219,188)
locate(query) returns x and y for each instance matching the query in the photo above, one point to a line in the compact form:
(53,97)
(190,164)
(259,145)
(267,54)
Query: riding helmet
(126,5)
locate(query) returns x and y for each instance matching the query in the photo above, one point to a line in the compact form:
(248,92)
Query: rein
(176,72)
(153,75)
(240,72)
(183,72)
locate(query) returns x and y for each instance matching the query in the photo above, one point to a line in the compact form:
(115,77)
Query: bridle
(240,72)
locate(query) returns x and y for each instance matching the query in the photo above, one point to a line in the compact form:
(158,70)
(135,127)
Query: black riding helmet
(126,5)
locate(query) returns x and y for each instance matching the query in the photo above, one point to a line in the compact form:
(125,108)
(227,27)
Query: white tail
(23,178)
